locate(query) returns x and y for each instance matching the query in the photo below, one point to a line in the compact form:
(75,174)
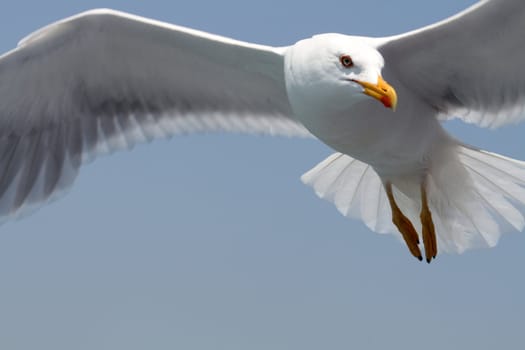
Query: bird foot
(403,224)
(408,232)
(429,233)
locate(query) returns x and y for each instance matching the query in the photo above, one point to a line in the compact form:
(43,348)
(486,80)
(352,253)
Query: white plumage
(104,80)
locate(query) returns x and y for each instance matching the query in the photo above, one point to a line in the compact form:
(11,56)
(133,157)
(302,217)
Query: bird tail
(474,196)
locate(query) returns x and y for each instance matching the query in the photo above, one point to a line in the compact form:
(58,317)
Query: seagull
(105,80)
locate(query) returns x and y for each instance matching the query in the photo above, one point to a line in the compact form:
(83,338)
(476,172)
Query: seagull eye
(346,61)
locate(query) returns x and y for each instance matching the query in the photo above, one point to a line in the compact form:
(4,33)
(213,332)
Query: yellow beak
(381,91)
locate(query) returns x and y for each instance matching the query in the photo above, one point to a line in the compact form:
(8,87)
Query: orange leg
(429,234)
(403,224)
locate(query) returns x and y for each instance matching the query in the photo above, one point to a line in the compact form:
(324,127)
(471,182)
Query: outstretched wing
(469,66)
(105,80)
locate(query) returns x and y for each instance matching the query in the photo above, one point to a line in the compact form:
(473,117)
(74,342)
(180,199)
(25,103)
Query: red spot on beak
(387,102)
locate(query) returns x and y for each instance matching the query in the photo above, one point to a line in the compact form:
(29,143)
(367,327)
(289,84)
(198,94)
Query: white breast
(366,130)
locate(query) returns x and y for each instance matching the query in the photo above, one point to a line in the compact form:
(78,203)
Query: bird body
(355,124)
(104,80)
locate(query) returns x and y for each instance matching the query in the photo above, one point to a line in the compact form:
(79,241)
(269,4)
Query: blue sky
(212,242)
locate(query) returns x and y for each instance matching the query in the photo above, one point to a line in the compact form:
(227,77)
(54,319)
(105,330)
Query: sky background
(212,242)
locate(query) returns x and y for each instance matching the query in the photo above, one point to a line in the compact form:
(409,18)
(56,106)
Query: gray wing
(105,80)
(469,66)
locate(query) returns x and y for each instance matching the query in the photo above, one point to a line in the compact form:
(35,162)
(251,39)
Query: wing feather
(104,80)
(469,66)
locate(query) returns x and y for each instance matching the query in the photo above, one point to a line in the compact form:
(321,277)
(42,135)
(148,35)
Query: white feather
(104,80)
(354,188)
(485,198)
(468,66)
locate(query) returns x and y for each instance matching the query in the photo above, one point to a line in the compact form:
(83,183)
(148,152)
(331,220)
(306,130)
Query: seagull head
(336,71)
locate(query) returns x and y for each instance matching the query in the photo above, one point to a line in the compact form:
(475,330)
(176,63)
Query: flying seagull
(104,80)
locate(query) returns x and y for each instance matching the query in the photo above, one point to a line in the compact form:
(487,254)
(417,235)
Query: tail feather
(474,196)
(498,182)
(354,188)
